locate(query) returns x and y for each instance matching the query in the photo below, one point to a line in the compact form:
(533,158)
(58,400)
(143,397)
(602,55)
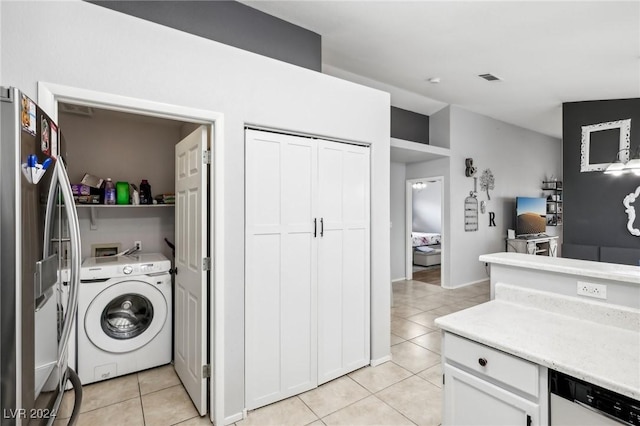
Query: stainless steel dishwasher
(576,402)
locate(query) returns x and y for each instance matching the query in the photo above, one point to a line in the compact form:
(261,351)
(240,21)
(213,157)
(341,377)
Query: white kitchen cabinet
(484,386)
(306,263)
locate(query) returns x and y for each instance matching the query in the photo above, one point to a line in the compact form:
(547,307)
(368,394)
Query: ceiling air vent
(490,77)
(76,109)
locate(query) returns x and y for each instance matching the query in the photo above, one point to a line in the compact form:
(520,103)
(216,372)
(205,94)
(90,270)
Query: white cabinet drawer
(471,401)
(498,365)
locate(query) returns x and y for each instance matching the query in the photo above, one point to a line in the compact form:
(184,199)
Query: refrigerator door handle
(44,293)
(49,212)
(74,261)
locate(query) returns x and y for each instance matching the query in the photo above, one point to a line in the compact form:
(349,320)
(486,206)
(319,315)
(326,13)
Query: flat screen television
(531,215)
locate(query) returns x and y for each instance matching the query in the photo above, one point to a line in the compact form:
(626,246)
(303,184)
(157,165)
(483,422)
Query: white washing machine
(124,315)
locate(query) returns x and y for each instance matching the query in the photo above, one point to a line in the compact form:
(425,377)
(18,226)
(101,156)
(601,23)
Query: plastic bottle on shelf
(109,192)
(145,192)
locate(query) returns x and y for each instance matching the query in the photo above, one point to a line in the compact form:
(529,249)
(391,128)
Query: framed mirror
(603,143)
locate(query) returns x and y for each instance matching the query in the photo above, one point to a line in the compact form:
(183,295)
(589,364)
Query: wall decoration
(631,211)
(487,182)
(492,219)
(622,150)
(471,213)
(470,169)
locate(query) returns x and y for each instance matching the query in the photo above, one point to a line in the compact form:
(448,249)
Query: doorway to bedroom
(424,230)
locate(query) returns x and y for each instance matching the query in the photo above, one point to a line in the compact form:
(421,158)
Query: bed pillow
(425,249)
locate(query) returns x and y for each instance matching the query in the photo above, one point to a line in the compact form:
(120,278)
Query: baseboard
(469,283)
(235,418)
(378,361)
(398,279)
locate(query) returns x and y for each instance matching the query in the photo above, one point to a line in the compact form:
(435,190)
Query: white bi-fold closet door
(306,263)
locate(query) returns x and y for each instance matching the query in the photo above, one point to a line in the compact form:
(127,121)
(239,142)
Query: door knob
(482,361)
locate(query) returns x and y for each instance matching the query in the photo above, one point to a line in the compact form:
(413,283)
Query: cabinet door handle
(321,227)
(482,361)
(528,420)
(315,227)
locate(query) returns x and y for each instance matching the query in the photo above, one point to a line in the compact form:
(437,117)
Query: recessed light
(490,77)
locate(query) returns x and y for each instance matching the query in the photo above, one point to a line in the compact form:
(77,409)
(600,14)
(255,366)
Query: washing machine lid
(96,268)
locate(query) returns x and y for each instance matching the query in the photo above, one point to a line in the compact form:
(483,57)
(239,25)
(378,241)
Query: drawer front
(498,365)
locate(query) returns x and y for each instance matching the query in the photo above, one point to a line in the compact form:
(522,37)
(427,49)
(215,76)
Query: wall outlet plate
(599,291)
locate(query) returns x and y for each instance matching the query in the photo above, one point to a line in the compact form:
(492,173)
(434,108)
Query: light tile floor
(404,391)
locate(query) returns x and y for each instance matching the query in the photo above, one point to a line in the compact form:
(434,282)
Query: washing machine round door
(125,316)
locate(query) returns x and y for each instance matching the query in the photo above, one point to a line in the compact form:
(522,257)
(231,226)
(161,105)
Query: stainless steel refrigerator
(39,239)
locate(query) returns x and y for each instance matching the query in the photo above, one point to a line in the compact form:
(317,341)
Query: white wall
(126,225)
(82,45)
(142,147)
(398,229)
(427,208)
(440,128)
(519,159)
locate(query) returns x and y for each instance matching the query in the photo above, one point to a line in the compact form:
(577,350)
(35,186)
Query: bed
(426,248)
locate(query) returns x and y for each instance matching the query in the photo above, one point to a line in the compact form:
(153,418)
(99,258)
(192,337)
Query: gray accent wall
(595,222)
(409,125)
(231,23)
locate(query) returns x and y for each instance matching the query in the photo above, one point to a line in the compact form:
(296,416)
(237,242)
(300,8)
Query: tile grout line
(405,379)
(108,405)
(310,409)
(144,419)
(354,402)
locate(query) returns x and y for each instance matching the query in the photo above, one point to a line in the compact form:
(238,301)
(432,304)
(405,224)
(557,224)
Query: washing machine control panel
(123,266)
(142,269)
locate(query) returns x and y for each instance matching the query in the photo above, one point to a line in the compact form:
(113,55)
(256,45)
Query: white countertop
(593,341)
(585,268)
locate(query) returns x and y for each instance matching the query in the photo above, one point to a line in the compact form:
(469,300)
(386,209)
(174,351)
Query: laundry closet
(128,147)
(124,147)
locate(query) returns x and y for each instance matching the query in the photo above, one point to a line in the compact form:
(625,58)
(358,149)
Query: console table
(544,246)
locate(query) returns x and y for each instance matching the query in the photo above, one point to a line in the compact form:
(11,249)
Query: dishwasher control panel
(610,404)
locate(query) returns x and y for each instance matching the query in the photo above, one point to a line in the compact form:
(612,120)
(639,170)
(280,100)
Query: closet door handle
(321,227)
(315,227)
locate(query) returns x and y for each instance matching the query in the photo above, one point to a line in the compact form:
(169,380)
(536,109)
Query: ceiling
(546,52)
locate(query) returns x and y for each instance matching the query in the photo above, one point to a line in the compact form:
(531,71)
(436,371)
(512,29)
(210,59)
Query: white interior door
(343,259)
(280,267)
(191,278)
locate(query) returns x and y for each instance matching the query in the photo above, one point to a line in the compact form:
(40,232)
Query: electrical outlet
(599,291)
(138,245)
